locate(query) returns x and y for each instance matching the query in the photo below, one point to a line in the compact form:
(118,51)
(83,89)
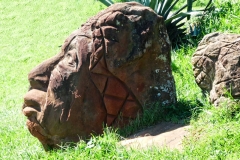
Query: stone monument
(106,71)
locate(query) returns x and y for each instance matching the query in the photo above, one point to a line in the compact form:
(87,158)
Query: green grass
(32,31)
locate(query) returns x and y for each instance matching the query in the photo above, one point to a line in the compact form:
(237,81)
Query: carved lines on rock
(120,103)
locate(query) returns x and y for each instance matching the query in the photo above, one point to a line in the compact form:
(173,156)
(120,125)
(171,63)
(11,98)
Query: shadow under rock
(169,130)
(162,127)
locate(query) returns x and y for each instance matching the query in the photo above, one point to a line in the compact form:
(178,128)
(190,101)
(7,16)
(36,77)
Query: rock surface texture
(115,63)
(216,66)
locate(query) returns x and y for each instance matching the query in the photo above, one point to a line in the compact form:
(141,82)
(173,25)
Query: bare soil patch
(164,134)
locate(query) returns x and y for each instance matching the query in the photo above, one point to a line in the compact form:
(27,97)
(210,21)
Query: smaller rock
(216,66)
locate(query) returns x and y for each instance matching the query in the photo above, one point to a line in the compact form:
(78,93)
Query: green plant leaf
(148,3)
(169,9)
(180,25)
(189,7)
(175,22)
(159,11)
(182,8)
(167,5)
(106,2)
(176,16)
(153,4)
(208,5)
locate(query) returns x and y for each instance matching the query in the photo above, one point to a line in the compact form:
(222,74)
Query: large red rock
(106,71)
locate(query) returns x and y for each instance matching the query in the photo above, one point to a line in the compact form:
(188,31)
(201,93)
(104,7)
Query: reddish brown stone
(129,108)
(106,71)
(113,104)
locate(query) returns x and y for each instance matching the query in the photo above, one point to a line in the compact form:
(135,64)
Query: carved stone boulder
(106,71)
(216,66)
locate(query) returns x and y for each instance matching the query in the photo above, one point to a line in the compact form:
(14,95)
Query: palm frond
(182,15)
(159,11)
(167,4)
(153,4)
(208,5)
(106,2)
(176,30)
(148,3)
(169,9)
(182,8)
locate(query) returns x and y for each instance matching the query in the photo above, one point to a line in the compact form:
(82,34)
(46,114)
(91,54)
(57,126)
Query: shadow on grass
(181,113)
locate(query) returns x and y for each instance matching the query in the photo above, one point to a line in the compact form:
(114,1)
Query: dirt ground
(164,134)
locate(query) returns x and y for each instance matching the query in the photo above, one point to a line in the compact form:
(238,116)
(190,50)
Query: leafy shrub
(223,17)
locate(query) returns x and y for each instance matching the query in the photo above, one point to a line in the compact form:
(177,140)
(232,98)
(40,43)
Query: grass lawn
(32,31)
